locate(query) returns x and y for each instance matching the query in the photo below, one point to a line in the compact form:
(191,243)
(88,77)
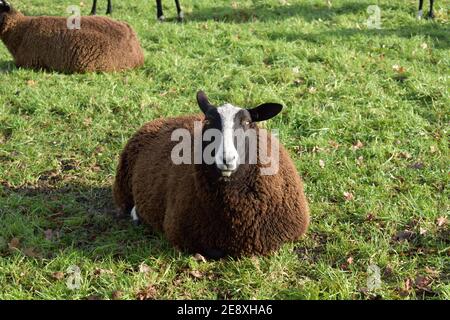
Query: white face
(227,157)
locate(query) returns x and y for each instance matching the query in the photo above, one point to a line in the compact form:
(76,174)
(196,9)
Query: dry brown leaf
(321,163)
(14,243)
(350,260)
(31,83)
(441,221)
(423,283)
(144,268)
(417,165)
(348,196)
(199,258)
(100,271)
(422,231)
(357,145)
(48,234)
(404,235)
(147,293)
(360,160)
(117,295)
(196,274)
(31,252)
(58,275)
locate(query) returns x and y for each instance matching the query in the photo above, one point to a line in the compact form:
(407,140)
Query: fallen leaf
(199,258)
(30,252)
(405,155)
(357,145)
(422,231)
(432,272)
(398,69)
(48,234)
(58,275)
(350,260)
(31,83)
(334,144)
(424,46)
(14,243)
(348,196)
(404,235)
(196,274)
(441,221)
(148,293)
(144,268)
(116,295)
(417,165)
(423,283)
(321,163)
(100,271)
(312,90)
(360,160)
(407,285)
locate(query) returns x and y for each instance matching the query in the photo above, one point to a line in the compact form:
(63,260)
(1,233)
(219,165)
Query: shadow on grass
(438,33)
(81,219)
(7,66)
(265,12)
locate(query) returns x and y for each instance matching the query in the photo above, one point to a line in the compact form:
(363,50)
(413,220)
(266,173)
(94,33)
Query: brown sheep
(101,44)
(224,208)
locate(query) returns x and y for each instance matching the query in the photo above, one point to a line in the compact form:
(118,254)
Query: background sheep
(101,44)
(225,208)
(159,9)
(430,13)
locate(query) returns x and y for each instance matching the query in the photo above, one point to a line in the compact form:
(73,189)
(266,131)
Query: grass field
(366,121)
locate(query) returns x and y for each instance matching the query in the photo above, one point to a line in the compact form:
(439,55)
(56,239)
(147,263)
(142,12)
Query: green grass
(60,137)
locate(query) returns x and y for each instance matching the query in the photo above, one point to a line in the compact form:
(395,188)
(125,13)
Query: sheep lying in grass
(101,44)
(227,207)
(159,9)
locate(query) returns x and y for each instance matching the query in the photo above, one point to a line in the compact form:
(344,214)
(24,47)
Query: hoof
(134,217)
(161,18)
(214,254)
(430,15)
(181,17)
(419,14)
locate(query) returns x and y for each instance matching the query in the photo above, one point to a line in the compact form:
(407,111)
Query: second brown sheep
(100,45)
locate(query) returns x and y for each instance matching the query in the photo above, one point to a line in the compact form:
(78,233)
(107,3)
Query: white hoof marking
(134,215)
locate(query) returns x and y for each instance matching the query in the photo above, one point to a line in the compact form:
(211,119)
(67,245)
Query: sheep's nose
(229,159)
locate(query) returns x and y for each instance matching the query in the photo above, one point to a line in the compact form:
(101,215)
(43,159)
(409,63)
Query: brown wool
(247,215)
(100,45)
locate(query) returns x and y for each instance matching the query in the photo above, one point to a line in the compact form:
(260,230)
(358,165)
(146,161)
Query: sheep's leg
(214,254)
(94,8)
(420,13)
(159,11)
(135,217)
(180,13)
(431,12)
(109,9)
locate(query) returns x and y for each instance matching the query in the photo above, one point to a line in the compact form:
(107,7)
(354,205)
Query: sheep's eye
(207,122)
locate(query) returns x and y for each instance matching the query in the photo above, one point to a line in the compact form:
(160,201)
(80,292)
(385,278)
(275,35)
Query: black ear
(4,6)
(203,102)
(265,111)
